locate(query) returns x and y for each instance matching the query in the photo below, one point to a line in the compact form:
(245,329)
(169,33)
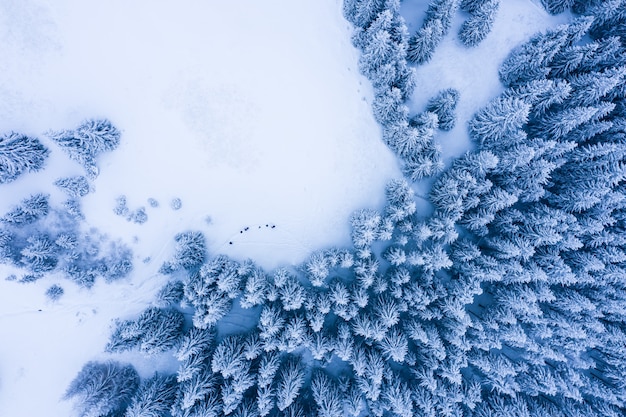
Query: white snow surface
(252,113)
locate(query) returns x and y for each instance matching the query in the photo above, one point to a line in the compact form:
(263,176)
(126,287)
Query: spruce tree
(87,141)
(443,105)
(103,388)
(20,154)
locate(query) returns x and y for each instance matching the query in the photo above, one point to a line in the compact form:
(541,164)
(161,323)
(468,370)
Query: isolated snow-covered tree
(476,28)
(30,210)
(55,292)
(20,154)
(103,388)
(443,105)
(87,141)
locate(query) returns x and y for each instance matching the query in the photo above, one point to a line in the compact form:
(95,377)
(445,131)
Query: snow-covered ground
(253,113)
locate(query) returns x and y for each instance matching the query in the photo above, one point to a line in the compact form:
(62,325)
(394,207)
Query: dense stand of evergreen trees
(509,300)
(381,35)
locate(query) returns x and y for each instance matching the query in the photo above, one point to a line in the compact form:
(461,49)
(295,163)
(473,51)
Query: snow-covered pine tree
(255,289)
(155,331)
(327,396)
(476,28)
(40,254)
(587,57)
(609,19)
(590,88)
(103,388)
(365,227)
(400,200)
(194,342)
(292,294)
(54,292)
(290,381)
(361,13)
(270,325)
(209,309)
(531,60)
(200,393)
(20,154)
(87,141)
(161,329)
(74,187)
(389,107)
(443,105)
(557,6)
(154,398)
(423,43)
(190,252)
(442,10)
(171,294)
(497,121)
(30,210)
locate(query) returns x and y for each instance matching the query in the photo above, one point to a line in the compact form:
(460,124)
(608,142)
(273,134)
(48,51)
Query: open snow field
(252,113)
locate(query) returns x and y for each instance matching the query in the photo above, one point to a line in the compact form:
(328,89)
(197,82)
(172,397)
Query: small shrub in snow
(28,278)
(20,154)
(72,207)
(176,204)
(54,292)
(139,216)
(121,207)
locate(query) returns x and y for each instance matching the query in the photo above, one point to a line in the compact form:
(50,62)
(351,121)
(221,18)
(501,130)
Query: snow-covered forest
(486,278)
